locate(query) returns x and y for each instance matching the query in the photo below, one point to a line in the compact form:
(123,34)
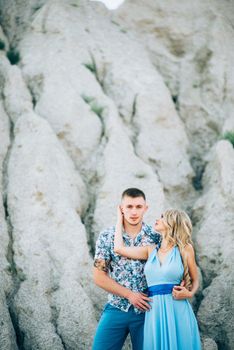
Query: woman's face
(160,225)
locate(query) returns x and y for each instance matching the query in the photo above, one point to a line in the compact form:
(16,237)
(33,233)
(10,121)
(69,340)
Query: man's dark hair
(133,192)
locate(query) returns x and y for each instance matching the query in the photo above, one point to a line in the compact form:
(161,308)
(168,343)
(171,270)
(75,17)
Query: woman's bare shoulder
(189,250)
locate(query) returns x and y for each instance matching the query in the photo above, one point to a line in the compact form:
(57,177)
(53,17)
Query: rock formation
(93,102)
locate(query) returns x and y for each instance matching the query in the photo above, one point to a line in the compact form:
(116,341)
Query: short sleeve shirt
(127,272)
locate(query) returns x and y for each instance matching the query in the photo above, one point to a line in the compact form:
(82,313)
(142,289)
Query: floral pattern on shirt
(127,272)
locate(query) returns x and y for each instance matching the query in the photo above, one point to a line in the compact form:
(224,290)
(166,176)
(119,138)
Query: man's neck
(132,230)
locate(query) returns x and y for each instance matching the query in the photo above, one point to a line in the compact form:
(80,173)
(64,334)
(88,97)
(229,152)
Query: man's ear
(146,207)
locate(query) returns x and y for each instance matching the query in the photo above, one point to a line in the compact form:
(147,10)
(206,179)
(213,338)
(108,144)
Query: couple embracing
(150,274)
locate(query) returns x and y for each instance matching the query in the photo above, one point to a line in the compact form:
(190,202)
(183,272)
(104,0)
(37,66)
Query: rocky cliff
(93,102)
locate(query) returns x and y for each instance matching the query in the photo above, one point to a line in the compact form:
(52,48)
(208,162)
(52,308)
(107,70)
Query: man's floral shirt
(127,272)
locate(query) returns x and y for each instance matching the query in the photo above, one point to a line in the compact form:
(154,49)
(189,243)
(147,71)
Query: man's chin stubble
(134,224)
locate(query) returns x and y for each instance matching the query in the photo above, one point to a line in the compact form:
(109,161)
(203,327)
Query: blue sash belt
(160,289)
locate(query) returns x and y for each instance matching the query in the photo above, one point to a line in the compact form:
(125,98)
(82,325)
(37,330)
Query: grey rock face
(215,247)
(209,344)
(190,44)
(51,255)
(4,145)
(7,333)
(96,102)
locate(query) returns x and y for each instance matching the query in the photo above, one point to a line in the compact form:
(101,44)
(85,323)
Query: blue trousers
(115,325)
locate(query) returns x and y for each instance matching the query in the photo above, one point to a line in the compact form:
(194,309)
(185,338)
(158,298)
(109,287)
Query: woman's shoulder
(189,250)
(151,248)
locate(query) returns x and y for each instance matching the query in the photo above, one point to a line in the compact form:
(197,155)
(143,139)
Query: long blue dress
(170,324)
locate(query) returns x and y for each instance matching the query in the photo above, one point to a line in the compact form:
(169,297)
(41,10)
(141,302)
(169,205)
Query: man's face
(133,209)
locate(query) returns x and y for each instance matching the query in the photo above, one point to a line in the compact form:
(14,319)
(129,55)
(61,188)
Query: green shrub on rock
(229,136)
(2,45)
(13,56)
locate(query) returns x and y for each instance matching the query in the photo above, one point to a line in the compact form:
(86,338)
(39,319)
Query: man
(123,278)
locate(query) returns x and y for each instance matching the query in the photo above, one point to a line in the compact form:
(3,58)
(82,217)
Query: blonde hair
(179,230)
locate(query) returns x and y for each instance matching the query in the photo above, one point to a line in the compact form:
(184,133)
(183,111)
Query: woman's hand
(180,292)
(137,253)
(119,216)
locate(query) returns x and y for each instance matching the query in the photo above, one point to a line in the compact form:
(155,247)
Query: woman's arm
(138,253)
(193,270)
(180,292)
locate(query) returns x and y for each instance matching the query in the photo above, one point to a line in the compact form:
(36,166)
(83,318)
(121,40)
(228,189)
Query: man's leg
(112,329)
(136,328)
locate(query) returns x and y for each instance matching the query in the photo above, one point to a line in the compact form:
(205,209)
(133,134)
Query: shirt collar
(139,235)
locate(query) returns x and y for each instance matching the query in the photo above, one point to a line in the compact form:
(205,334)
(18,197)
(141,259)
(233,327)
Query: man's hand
(180,293)
(139,300)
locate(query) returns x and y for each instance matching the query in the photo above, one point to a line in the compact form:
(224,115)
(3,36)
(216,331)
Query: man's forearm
(109,285)
(137,299)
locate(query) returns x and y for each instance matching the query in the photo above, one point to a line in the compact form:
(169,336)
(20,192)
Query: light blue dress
(170,324)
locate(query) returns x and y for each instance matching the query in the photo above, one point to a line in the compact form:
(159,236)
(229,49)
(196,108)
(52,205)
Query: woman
(170,324)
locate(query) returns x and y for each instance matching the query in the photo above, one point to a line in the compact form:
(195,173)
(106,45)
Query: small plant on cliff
(2,45)
(75,4)
(87,99)
(91,66)
(95,107)
(13,56)
(229,136)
